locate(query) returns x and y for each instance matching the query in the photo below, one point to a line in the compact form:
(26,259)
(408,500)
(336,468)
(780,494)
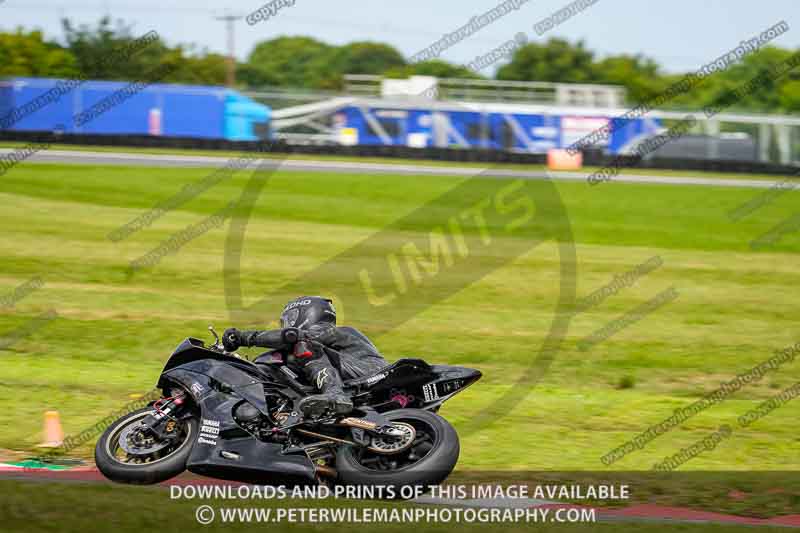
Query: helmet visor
(289,318)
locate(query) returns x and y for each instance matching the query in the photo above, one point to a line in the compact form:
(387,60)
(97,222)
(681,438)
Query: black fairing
(429,384)
(222,449)
(251,461)
(193,349)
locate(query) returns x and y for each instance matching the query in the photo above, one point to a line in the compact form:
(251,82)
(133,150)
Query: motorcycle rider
(325,353)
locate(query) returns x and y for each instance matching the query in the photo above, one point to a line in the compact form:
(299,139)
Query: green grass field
(114,331)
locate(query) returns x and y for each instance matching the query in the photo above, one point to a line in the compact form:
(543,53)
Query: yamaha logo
(376,378)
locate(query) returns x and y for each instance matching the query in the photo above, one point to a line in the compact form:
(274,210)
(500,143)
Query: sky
(680,35)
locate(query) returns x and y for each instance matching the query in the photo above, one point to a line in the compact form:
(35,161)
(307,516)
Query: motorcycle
(226,417)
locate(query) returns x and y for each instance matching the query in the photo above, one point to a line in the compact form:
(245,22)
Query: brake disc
(392,445)
(136,443)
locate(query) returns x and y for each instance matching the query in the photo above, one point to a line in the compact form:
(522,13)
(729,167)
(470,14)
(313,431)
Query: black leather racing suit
(337,353)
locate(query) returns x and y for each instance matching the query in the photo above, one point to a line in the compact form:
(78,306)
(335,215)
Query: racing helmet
(306,311)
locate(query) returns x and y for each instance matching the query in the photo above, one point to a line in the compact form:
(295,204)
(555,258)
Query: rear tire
(431,469)
(158,470)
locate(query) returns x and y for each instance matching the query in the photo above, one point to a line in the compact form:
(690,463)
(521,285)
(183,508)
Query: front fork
(163,422)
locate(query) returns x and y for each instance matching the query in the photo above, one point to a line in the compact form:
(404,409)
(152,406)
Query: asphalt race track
(152,160)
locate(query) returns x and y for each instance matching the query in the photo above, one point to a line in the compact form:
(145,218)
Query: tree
(250,75)
(434,67)
(367,57)
(193,68)
(290,61)
(364,57)
(91,47)
(556,60)
(186,65)
(639,75)
(789,96)
(307,62)
(28,54)
(774,96)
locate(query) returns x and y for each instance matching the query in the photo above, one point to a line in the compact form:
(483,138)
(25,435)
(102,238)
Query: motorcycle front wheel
(153,462)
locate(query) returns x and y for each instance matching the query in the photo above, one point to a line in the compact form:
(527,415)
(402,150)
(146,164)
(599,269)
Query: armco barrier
(591,157)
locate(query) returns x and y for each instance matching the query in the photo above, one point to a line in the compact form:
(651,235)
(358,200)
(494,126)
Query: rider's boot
(327,380)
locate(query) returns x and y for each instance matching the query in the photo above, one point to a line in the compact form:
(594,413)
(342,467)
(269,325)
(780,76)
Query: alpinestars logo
(322,376)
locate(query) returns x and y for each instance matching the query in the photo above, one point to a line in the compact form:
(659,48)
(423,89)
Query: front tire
(428,461)
(167,464)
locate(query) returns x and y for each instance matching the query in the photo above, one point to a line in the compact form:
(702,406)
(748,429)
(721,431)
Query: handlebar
(218,346)
(302,348)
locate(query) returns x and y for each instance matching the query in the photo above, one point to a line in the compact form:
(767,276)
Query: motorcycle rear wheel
(428,461)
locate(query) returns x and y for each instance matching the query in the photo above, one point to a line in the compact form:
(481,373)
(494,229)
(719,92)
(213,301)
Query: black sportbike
(226,417)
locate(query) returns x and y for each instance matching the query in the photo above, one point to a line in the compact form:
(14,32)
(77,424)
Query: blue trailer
(168,110)
(514,127)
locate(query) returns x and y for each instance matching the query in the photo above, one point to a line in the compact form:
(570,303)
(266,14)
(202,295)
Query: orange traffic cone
(53,434)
